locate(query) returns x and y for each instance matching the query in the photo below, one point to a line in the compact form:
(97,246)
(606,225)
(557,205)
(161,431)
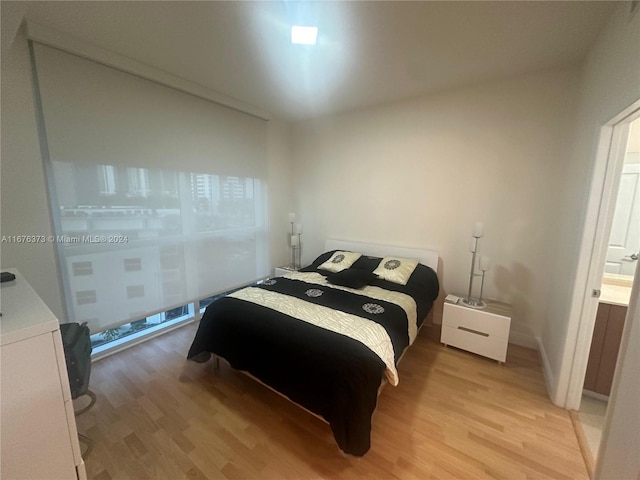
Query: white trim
(590,266)
(597,396)
(63,41)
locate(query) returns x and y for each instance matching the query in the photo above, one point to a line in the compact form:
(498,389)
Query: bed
(328,336)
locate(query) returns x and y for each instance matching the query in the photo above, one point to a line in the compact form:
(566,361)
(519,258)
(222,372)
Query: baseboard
(589,461)
(597,396)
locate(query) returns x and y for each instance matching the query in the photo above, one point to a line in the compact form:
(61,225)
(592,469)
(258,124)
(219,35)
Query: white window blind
(160,196)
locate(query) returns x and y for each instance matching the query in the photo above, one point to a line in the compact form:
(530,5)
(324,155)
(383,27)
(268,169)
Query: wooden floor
(453,415)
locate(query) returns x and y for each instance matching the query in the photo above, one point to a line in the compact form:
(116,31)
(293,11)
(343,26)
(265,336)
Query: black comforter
(328,373)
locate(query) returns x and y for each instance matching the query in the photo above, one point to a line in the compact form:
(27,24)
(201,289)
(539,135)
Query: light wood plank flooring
(453,415)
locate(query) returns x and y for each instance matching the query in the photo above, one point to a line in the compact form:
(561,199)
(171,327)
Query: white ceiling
(367,52)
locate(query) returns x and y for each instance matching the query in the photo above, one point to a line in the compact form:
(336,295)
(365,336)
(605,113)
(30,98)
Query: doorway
(615,289)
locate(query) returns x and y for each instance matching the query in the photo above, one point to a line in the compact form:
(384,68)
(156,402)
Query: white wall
(24,198)
(421,172)
(280,190)
(23,193)
(610,82)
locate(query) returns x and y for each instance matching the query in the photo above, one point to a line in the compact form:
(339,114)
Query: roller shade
(99,115)
(159,196)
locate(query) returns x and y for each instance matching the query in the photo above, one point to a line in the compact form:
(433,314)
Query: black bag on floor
(76,342)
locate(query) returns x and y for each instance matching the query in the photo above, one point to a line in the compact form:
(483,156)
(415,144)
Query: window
(112,337)
(82,268)
(107,180)
(152,251)
(138,182)
(132,264)
(160,195)
(100,341)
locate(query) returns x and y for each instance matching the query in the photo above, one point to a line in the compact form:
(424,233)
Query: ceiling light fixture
(304,35)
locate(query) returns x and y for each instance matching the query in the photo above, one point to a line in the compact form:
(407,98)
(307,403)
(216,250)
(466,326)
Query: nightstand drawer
(487,345)
(456,316)
(484,331)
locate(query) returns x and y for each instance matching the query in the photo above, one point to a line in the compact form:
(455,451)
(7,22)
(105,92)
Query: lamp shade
(292,217)
(478,229)
(294,240)
(485,263)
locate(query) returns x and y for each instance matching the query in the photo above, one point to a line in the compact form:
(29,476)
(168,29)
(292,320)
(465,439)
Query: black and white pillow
(340,261)
(352,278)
(396,269)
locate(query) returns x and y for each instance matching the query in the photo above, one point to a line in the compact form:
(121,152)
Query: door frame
(593,249)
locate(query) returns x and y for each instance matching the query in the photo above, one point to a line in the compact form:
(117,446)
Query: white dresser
(483,331)
(38,439)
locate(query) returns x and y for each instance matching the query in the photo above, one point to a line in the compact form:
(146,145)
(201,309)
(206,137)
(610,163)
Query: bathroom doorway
(615,290)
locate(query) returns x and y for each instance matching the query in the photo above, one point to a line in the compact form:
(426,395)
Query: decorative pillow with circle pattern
(396,269)
(340,261)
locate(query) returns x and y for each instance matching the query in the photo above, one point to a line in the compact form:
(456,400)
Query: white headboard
(426,257)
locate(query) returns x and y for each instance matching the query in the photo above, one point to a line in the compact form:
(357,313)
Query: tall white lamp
(295,241)
(297,229)
(478,232)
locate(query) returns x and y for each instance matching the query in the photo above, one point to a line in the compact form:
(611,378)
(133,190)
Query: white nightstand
(280,271)
(483,331)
